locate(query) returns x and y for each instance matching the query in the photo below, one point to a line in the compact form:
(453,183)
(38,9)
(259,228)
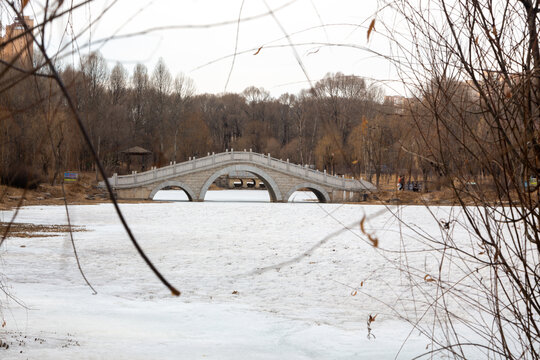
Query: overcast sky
(319,28)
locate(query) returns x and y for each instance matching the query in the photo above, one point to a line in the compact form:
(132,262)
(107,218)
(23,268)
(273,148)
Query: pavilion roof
(136,150)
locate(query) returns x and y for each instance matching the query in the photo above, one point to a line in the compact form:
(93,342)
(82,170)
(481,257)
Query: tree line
(341,125)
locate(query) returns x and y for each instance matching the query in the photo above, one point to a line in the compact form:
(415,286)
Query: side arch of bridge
(173,183)
(321,194)
(271,185)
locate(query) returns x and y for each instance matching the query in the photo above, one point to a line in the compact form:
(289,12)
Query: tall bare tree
(139,101)
(182,96)
(161,83)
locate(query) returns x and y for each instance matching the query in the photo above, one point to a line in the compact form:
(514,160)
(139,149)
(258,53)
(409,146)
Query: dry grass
(24,230)
(85,191)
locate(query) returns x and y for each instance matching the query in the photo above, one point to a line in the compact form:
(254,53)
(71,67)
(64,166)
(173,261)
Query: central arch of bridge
(271,185)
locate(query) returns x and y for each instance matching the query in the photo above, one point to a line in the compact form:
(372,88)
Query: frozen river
(235,196)
(258,280)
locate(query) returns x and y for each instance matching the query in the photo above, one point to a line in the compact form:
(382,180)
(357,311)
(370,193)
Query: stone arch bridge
(281,178)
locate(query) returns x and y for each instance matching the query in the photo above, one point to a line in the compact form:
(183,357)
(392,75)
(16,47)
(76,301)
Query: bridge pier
(139,193)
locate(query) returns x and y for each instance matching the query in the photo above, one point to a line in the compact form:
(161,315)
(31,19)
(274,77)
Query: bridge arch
(320,193)
(271,185)
(190,194)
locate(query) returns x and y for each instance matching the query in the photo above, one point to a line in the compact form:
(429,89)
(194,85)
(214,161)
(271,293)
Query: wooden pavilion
(136,158)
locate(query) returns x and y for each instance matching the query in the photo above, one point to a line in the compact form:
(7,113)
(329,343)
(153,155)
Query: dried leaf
(371,28)
(428,278)
(361,284)
(494,30)
(372,318)
(477,38)
(353,293)
(374,240)
(258,51)
(4,323)
(23,4)
(481,253)
(355,162)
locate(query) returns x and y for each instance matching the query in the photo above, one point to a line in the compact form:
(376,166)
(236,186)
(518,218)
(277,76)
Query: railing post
(115,179)
(213,158)
(287,164)
(269,158)
(135,177)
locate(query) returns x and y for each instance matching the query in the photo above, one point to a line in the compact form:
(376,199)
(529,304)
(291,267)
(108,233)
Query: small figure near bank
(401,182)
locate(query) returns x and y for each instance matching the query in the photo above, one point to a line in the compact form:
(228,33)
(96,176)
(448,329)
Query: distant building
(16,43)
(396,103)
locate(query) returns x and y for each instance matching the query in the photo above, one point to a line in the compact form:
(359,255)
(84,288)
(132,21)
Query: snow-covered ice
(236,195)
(258,281)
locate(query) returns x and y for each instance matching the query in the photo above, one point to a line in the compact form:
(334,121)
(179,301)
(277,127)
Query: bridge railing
(232,156)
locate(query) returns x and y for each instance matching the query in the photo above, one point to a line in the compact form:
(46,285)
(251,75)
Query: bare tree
(118,82)
(161,85)
(139,100)
(182,96)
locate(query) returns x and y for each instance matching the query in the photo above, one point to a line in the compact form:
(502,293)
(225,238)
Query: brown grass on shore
(85,191)
(26,230)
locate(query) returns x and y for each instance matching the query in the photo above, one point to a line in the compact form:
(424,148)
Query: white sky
(188,50)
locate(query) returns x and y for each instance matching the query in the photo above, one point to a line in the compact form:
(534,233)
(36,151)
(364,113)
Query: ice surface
(258,280)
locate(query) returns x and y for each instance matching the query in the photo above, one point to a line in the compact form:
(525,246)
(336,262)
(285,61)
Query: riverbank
(86,191)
